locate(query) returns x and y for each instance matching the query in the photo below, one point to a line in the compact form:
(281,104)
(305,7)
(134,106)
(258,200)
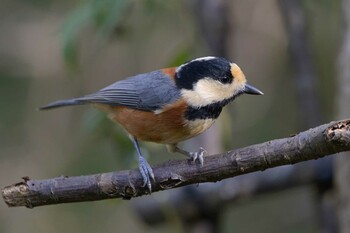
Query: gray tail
(62,103)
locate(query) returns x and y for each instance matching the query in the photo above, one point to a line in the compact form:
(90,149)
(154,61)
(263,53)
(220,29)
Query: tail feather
(62,103)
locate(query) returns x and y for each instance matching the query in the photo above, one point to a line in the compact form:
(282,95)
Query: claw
(198,156)
(146,173)
(194,156)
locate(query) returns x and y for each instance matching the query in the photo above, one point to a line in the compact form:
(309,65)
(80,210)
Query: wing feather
(149,92)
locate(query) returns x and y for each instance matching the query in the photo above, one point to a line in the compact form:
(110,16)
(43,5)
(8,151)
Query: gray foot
(146,173)
(198,156)
(194,156)
(145,169)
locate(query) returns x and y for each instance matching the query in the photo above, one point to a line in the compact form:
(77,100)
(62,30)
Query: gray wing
(146,92)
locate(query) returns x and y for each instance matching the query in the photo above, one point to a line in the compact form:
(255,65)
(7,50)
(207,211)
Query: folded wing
(148,92)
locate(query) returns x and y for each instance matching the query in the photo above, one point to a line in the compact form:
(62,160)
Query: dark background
(54,49)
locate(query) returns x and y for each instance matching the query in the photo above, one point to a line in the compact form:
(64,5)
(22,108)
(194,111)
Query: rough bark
(314,143)
(206,200)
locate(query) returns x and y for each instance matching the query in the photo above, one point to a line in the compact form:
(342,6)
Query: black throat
(210,111)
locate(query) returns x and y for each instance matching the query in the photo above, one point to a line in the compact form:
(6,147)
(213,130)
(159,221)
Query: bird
(169,105)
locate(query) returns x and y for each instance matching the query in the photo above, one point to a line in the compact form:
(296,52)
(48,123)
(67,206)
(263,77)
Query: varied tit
(170,105)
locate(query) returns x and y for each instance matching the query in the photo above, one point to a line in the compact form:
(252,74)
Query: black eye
(226,78)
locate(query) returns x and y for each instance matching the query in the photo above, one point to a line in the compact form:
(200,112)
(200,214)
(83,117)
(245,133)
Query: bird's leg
(194,156)
(145,169)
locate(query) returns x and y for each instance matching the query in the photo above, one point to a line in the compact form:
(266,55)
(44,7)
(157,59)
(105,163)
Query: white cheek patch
(208,91)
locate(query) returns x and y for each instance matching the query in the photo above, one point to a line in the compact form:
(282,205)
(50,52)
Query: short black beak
(248,89)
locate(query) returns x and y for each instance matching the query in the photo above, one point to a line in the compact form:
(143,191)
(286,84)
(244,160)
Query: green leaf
(75,23)
(105,15)
(108,14)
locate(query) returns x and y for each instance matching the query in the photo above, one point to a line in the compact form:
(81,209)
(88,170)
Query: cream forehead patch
(237,73)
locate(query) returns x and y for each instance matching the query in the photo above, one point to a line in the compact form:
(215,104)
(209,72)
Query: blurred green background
(54,49)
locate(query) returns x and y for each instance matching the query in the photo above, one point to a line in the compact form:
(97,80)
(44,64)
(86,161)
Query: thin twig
(311,144)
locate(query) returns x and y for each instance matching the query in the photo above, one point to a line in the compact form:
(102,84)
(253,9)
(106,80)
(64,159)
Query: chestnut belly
(165,127)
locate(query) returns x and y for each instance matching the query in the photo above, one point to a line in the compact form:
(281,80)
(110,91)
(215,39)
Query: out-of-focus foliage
(109,19)
(12,119)
(104,15)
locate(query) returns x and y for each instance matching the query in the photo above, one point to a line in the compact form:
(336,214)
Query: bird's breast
(198,126)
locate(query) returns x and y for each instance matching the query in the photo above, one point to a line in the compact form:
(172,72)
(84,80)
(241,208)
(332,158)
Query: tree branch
(314,143)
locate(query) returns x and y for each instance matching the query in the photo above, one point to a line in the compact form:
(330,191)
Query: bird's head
(209,80)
